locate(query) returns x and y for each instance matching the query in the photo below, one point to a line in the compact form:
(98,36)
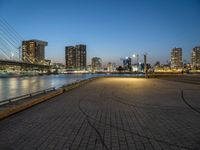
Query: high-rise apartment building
(33,51)
(176,57)
(96,64)
(75,57)
(195,58)
(127,63)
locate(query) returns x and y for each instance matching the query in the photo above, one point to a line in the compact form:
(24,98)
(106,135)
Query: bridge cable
(14,32)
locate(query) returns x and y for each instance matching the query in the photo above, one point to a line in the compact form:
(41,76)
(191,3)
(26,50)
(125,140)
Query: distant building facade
(96,64)
(195,58)
(47,62)
(75,57)
(111,67)
(57,68)
(176,57)
(127,63)
(33,51)
(89,68)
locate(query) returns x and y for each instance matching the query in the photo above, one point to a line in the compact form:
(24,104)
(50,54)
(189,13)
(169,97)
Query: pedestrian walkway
(110,113)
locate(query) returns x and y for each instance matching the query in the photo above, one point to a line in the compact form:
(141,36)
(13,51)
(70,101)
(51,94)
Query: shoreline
(98,73)
(124,106)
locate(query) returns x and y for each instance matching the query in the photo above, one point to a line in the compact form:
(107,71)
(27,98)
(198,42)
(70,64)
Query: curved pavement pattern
(110,113)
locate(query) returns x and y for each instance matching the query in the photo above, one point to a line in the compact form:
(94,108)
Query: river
(17,86)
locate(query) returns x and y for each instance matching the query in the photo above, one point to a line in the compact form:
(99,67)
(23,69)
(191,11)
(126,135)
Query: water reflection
(16,86)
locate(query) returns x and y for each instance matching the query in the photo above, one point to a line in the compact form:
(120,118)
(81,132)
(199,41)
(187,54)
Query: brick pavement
(110,113)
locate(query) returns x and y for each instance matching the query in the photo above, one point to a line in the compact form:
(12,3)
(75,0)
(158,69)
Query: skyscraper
(96,64)
(75,57)
(33,51)
(176,57)
(127,63)
(195,58)
(70,57)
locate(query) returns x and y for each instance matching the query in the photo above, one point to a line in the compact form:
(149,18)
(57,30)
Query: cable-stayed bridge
(10,49)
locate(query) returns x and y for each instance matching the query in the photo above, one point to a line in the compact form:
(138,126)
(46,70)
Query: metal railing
(13,99)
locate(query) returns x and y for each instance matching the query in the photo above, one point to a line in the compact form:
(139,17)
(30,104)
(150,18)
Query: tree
(120,69)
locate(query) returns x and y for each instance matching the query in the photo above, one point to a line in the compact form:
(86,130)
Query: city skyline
(110,30)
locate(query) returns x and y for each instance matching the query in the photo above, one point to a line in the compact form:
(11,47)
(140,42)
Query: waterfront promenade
(110,113)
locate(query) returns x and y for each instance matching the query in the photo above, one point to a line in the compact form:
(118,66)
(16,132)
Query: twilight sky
(111,29)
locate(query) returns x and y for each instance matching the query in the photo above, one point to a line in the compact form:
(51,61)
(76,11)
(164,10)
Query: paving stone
(110,113)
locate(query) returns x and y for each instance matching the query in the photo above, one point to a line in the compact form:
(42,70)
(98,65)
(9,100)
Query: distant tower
(96,64)
(127,63)
(145,63)
(176,57)
(33,51)
(195,58)
(75,57)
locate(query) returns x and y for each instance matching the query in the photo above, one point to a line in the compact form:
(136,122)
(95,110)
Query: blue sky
(111,29)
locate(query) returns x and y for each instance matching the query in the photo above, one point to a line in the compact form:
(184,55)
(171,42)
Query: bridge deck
(21,64)
(110,113)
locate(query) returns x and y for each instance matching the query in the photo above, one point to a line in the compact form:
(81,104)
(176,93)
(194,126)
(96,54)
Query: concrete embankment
(110,113)
(6,111)
(12,109)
